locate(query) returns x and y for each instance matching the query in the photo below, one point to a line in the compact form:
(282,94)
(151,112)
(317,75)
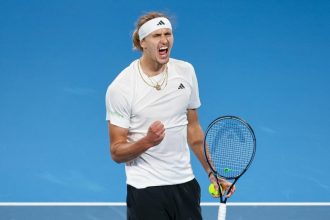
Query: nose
(163,38)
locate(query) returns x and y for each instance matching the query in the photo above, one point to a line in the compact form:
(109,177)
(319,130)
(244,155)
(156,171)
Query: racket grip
(222,211)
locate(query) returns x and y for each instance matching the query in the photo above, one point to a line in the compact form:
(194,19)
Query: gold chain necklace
(157,85)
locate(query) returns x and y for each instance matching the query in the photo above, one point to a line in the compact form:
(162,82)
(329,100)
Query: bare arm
(122,151)
(196,138)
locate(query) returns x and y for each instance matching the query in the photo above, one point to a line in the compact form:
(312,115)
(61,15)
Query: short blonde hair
(143,19)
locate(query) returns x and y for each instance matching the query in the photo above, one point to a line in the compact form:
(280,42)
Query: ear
(143,44)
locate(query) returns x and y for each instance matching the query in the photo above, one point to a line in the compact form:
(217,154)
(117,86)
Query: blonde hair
(143,19)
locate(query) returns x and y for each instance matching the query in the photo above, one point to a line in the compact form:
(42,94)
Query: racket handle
(222,211)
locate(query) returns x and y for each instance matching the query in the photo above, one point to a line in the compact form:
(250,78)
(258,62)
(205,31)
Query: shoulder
(183,69)
(122,85)
(126,75)
(125,78)
(181,65)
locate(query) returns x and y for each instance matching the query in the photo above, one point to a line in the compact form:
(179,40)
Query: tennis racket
(229,149)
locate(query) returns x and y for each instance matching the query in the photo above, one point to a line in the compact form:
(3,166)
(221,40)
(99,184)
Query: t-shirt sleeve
(194,101)
(117,107)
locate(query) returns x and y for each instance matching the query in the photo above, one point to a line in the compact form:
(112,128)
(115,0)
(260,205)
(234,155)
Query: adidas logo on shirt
(161,22)
(181,86)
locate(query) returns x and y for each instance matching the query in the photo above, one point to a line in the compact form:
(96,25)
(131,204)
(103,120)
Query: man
(152,118)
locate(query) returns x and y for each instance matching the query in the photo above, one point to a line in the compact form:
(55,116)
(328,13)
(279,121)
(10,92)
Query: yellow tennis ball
(213,191)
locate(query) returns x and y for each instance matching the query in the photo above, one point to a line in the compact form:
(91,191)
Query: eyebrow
(160,33)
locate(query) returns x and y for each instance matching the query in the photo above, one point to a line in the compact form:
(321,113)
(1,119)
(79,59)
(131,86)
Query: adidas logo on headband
(152,25)
(161,22)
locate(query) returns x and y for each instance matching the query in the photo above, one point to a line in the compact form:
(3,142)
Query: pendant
(158,87)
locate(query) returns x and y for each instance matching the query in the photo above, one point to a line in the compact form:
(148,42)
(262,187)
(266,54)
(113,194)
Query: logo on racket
(227,170)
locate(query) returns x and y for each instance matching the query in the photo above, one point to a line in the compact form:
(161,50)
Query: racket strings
(230,145)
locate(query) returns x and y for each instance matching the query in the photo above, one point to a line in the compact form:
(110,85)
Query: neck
(151,67)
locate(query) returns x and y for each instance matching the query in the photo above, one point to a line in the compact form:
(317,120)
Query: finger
(155,130)
(232,191)
(157,126)
(157,123)
(216,196)
(160,128)
(161,131)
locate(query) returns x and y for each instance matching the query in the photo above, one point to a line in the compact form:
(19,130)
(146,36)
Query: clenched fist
(156,133)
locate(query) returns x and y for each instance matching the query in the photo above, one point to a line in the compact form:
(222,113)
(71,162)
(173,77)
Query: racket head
(229,146)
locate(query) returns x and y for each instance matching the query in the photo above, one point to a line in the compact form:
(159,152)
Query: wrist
(211,173)
(145,143)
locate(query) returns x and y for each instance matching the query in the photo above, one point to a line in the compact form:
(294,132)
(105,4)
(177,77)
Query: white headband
(153,25)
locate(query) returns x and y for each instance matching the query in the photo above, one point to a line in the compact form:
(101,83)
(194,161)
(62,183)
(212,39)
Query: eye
(156,35)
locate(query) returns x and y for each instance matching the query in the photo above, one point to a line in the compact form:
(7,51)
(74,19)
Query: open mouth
(163,51)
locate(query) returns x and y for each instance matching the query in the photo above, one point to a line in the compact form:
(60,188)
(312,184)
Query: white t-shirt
(132,104)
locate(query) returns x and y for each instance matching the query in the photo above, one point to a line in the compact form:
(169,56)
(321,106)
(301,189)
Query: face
(157,45)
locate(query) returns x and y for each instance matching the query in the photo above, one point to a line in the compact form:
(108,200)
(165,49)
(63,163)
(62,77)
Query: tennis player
(152,118)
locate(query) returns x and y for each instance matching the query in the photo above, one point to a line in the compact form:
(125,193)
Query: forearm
(125,151)
(196,141)
(195,136)
(122,151)
(198,151)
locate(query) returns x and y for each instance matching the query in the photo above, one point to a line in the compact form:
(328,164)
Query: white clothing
(134,105)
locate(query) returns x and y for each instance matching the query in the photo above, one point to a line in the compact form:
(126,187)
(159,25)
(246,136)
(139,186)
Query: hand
(156,133)
(225,185)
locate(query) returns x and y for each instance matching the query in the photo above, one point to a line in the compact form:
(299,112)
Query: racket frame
(214,172)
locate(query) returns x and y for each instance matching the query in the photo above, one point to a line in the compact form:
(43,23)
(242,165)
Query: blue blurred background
(265,61)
